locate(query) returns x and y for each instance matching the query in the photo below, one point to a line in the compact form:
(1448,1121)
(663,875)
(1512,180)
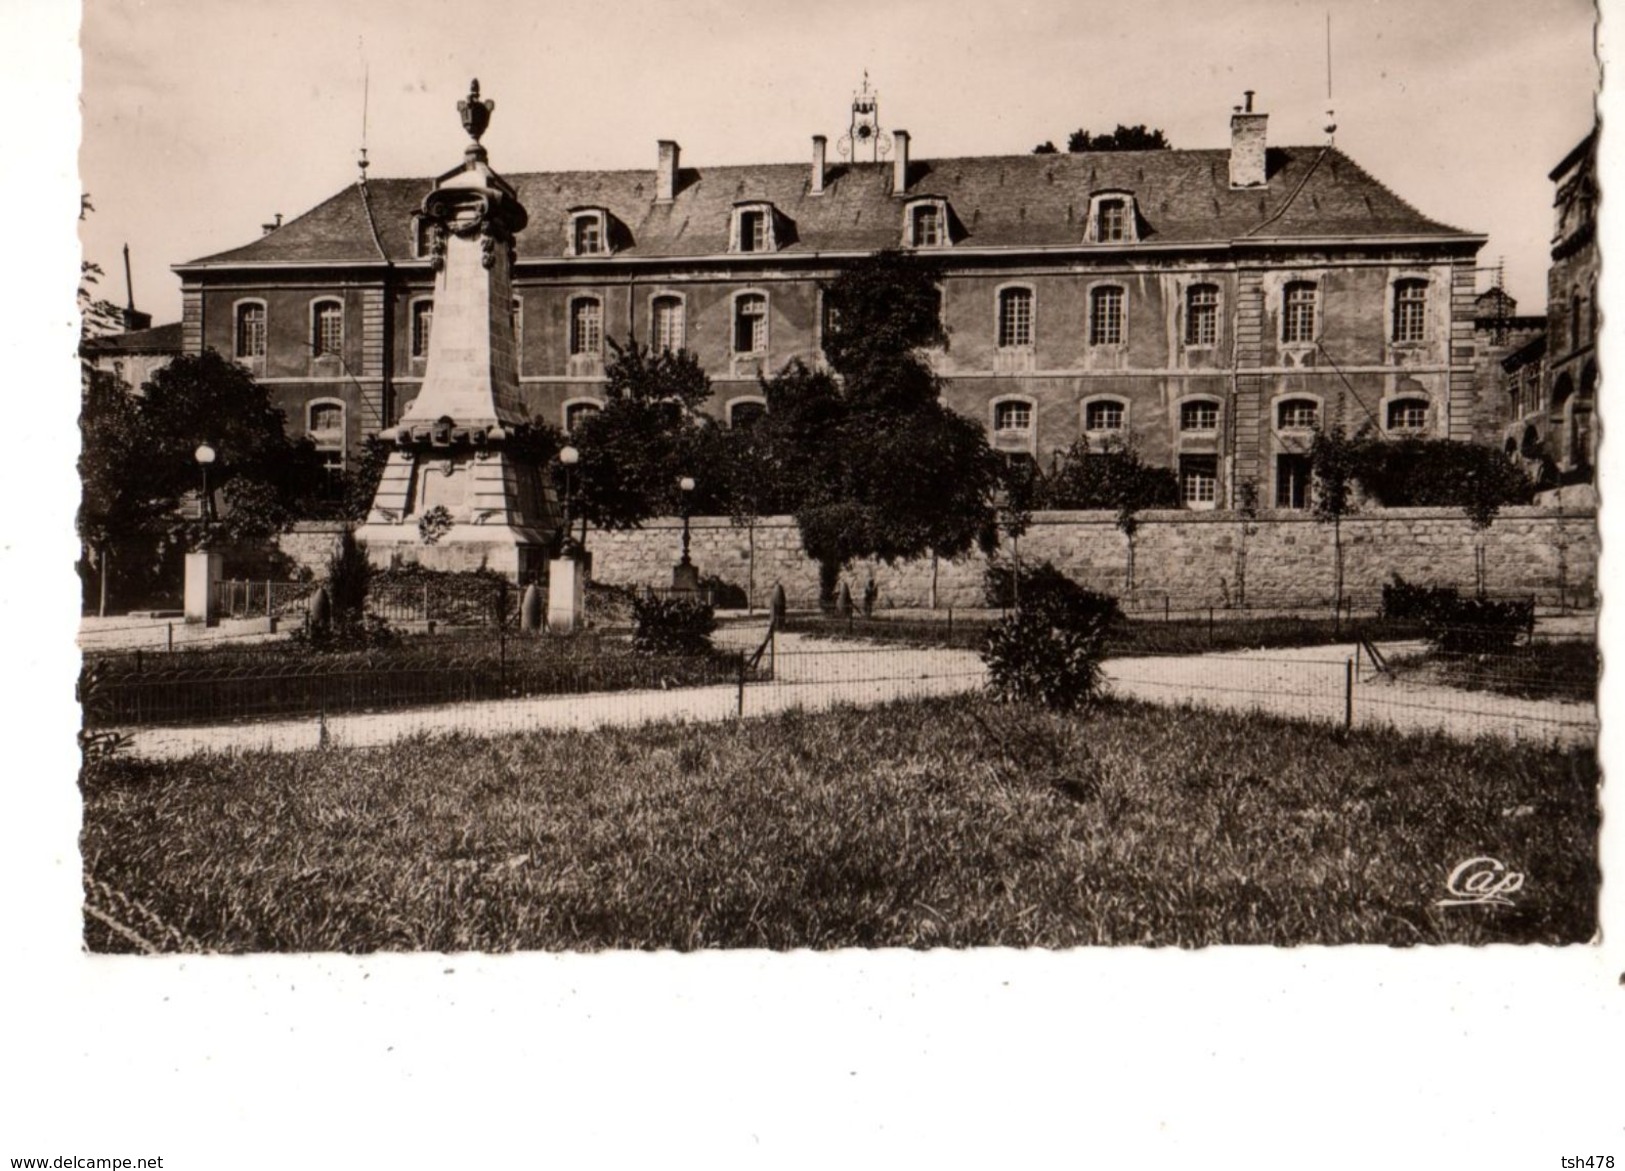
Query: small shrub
(1030,658)
(1046,589)
(725,595)
(363,633)
(1049,650)
(675,625)
(1405,602)
(1478,626)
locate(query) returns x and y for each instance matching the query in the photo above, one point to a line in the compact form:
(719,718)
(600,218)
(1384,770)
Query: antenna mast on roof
(1331,119)
(366,80)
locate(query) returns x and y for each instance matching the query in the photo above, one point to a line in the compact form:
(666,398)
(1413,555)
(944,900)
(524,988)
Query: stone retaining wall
(1193,559)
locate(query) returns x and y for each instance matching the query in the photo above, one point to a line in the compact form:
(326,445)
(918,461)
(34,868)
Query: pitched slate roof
(1015,201)
(160,339)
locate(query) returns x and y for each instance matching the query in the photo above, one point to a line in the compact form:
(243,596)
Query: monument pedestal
(566,595)
(463,489)
(203,574)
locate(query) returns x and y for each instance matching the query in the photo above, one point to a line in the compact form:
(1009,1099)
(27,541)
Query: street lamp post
(568,458)
(685,578)
(205,456)
(202,566)
(686,486)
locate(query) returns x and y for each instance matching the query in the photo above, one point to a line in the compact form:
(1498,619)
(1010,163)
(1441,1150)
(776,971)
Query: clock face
(864,132)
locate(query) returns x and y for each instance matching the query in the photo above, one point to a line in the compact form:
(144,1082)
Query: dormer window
(589,231)
(753,228)
(1112,218)
(925,224)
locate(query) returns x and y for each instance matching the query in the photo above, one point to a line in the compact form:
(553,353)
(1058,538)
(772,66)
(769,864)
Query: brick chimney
(1247,160)
(819,143)
(666,172)
(899,182)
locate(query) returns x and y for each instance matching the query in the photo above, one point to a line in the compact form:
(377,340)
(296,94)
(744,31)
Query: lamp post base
(685,578)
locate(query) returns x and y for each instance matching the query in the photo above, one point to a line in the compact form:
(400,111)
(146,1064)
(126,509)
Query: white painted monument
(460,490)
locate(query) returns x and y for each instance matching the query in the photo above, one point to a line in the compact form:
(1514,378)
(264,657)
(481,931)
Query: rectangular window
(1015,318)
(1199,480)
(753,231)
(1202,316)
(1199,416)
(1410,310)
(1106,317)
(1407,414)
(1298,322)
(422,321)
(586,326)
(251,331)
(328,330)
(325,426)
(750,324)
(1013,416)
(927,227)
(668,323)
(1103,416)
(589,236)
(1113,222)
(576,413)
(1298,413)
(1292,481)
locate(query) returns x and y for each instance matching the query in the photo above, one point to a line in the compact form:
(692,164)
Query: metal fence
(1541,688)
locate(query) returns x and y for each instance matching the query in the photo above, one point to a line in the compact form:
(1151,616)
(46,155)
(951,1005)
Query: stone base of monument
(685,578)
(566,595)
(203,573)
(514,552)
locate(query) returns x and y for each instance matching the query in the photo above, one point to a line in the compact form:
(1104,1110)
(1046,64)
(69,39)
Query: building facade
(1573,317)
(1211,307)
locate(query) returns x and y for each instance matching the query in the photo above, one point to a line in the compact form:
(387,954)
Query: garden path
(815,674)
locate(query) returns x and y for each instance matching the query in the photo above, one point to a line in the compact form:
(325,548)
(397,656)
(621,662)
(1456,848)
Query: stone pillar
(566,595)
(203,573)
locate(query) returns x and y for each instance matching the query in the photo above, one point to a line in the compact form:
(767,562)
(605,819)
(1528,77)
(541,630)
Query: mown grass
(955,822)
(281,680)
(1542,669)
(1128,636)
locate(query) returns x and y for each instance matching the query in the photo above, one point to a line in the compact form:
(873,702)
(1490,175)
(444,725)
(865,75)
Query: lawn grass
(955,822)
(283,679)
(1542,669)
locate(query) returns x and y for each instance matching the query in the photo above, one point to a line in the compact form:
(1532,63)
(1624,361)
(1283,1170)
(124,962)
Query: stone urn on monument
(460,458)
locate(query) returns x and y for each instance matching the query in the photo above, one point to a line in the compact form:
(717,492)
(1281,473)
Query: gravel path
(816,674)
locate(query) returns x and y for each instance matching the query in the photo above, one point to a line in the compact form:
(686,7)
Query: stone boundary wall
(1192,559)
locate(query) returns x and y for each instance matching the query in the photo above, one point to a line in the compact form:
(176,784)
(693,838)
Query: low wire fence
(478,683)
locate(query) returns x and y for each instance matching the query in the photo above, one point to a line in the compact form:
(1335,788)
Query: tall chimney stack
(900,162)
(819,143)
(1247,146)
(666,172)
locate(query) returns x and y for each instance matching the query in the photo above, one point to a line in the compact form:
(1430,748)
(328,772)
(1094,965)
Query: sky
(203,118)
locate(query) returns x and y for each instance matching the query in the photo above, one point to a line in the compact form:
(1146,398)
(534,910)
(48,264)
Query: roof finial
(476,116)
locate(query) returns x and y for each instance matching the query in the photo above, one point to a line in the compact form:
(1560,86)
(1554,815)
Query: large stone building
(1572,314)
(1210,306)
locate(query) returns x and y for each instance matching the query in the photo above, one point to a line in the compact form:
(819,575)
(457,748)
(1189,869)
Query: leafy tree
(649,434)
(872,462)
(265,479)
(137,464)
(1047,147)
(1117,478)
(1445,473)
(1336,461)
(1138,137)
